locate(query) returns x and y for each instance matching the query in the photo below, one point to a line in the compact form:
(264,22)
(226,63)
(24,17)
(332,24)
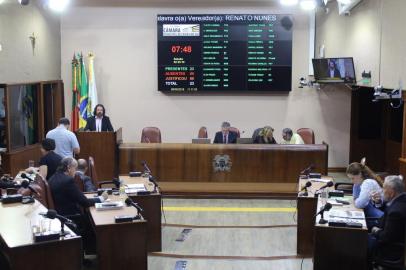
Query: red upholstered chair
(45,192)
(307,135)
(202,132)
(236,130)
(92,171)
(151,135)
(79,182)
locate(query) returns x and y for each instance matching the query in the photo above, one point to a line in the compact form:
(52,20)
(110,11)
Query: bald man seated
(81,171)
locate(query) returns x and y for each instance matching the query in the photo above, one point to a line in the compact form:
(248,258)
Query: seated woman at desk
(265,136)
(366,183)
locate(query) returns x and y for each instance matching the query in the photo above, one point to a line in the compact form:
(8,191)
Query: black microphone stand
(322,220)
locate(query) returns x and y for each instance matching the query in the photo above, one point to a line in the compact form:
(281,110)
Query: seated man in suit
(291,138)
(225,135)
(67,197)
(99,121)
(387,240)
(81,171)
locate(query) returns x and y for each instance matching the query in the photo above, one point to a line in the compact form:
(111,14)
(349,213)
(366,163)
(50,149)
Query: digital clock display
(224,53)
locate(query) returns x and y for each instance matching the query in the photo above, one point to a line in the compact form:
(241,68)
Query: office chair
(92,171)
(307,135)
(79,182)
(202,133)
(236,130)
(151,135)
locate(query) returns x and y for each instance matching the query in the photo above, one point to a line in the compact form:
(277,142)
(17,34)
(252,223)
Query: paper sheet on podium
(134,188)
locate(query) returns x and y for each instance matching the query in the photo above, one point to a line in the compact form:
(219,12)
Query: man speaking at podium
(99,121)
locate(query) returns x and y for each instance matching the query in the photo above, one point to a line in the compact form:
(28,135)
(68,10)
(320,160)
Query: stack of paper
(347,214)
(134,188)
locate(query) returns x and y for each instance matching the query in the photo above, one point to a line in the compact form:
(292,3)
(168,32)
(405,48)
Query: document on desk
(134,188)
(321,180)
(347,214)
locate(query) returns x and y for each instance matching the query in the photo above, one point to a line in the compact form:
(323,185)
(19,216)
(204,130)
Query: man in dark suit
(99,121)
(67,196)
(333,71)
(387,240)
(87,181)
(225,135)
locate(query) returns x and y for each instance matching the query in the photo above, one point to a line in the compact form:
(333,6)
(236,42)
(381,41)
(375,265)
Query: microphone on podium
(326,207)
(304,189)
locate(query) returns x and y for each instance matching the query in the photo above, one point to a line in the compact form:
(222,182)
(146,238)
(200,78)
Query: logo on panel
(222,163)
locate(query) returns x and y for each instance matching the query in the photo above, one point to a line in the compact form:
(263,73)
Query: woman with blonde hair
(265,136)
(366,184)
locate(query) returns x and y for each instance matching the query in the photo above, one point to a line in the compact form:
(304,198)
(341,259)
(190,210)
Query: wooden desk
(119,245)
(16,241)
(102,146)
(306,209)
(337,248)
(177,162)
(152,211)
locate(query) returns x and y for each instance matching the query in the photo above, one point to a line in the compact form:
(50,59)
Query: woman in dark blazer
(265,136)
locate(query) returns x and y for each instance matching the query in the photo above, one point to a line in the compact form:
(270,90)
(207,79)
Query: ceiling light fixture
(344,2)
(24,2)
(288,2)
(58,5)
(308,4)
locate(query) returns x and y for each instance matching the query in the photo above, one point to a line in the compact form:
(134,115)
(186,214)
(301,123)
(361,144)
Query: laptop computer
(244,140)
(201,140)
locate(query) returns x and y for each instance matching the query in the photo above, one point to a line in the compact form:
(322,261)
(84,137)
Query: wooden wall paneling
(17,160)
(8,120)
(404,126)
(392,154)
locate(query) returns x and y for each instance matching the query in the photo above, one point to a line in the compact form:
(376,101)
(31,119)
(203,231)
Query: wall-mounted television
(334,70)
(224,53)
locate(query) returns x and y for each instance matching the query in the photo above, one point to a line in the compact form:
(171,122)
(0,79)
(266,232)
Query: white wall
(124,41)
(18,63)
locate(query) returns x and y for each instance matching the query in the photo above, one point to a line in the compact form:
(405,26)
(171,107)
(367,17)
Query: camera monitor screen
(223,53)
(334,70)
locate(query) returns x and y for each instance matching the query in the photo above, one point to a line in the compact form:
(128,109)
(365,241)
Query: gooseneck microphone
(52,214)
(308,170)
(153,181)
(130,202)
(146,168)
(23,175)
(328,184)
(304,189)
(326,207)
(27,184)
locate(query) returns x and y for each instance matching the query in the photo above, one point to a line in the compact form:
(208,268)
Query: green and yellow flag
(83,90)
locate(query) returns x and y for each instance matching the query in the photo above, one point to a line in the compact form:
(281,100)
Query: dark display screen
(334,70)
(224,53)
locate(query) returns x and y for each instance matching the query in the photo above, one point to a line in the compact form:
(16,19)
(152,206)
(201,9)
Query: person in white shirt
(66,143)
(366,184)
(291,138)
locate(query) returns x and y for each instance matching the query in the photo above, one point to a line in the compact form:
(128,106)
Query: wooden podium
(103,147)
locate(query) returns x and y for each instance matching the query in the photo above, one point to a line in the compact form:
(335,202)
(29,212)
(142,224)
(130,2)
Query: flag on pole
(75,94)
(83,88)
(92,100)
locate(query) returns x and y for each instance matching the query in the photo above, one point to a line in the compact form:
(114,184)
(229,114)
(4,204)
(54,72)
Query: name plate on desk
(109,206)
(46,236)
